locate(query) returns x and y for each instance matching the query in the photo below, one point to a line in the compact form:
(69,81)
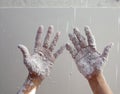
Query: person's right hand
(42,60)
(88,60)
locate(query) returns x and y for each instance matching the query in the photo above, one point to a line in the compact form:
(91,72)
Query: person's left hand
(85,54)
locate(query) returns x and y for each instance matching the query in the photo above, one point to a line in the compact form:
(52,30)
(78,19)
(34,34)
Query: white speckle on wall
(118,21)
(67,27)
(118,46)
(90,20)
(116,72)
(74,17)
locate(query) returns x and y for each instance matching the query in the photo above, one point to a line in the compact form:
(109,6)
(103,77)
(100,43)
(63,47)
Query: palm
(41,61)
(89,61)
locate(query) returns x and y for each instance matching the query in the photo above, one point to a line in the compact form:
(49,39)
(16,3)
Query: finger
(38,36)
(72,51)
(90,37)
(24,50)
(47,37)
(59,51)
(54,42)
(74,41)
(106,51)
(81,38)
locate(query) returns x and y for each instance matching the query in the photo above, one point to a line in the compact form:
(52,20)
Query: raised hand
(41,61)
(88,60)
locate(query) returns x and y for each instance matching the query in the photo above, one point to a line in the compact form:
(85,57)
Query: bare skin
(40,63)
(88,60)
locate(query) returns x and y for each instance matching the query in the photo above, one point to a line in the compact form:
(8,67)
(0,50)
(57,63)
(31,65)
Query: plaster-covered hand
(42,60)
(88,60)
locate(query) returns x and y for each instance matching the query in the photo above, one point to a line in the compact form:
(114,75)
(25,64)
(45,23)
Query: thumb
(106,51)
(24,50)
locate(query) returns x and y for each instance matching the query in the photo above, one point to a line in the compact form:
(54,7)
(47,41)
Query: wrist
(95,76)
(30,85)
(35,79)
(99,85)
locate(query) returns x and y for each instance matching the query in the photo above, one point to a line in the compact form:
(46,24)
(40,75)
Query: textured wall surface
(20,26)
(59,3)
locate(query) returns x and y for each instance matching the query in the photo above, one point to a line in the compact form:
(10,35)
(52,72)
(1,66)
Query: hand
(88,60)
(42,60)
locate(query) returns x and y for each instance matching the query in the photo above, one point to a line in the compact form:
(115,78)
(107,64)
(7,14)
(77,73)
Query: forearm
(99,85)
(30,85)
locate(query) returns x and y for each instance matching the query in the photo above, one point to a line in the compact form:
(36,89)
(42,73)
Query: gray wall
(20,26)
(60,3)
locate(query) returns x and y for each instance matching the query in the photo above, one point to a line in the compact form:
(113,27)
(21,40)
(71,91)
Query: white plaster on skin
(42,60)
(29,83)
(88,60)
(89,64)
(39,65)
